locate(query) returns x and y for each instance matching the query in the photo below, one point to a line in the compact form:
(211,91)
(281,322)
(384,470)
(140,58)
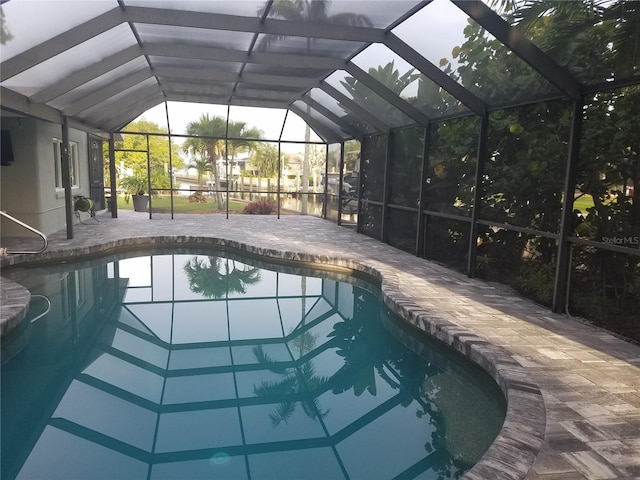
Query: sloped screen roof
(347,67)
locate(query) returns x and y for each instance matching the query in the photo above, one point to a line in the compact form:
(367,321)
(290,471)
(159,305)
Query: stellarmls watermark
(621,240)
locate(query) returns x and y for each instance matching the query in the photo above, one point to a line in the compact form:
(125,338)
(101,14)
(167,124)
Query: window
(73,156)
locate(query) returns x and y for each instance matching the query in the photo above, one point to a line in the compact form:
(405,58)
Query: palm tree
(210,146)
(301,382)
(602,34)
(239,134)
(209,278)
(309,11)
(202,166)
(265,158)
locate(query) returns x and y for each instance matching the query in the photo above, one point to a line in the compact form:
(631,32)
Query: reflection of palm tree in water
(299,382)
(213,279)
(364,344)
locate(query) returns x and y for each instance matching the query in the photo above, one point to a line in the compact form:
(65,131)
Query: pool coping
(14,304)
(512,454)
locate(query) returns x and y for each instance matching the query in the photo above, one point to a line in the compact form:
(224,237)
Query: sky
(268,120)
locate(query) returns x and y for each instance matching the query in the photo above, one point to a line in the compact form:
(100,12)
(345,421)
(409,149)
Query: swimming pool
(208,364)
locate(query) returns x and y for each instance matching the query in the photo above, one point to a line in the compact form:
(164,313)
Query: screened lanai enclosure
(498,137)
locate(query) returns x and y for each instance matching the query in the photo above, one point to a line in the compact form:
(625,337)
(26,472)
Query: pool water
(208,364)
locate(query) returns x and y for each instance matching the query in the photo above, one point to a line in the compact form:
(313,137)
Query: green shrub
(536,281)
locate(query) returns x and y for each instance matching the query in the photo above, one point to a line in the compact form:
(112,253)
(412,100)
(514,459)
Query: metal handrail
(5,251)
(46,299)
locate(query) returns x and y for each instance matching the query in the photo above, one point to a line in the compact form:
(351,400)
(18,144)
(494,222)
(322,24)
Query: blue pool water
(213,365)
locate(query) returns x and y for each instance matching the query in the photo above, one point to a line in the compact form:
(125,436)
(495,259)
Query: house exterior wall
(29,190)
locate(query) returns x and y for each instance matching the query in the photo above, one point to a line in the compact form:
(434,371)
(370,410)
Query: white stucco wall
(28,190)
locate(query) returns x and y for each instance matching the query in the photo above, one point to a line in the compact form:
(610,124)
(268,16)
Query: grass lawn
(582,203)
(181,204)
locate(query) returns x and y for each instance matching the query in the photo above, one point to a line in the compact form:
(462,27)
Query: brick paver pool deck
(573,390)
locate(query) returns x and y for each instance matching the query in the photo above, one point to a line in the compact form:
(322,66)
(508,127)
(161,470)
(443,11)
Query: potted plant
(135,186)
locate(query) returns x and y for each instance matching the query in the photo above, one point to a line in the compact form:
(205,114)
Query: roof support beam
(356,109)
(226,89)
(209,99)
(434,73)
(252,102)
(94,71)
(117,112)
(258,101)
(107,92)
(222,76)
(522,46)
(159,16)
(265,93)
(183,18)
(322,110)
(229,55)
(87,74)
(321,130)
(60,43)
(386,93)
(221,90)
(19,103)
(123,121)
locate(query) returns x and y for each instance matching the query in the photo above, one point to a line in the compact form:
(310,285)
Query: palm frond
(313,11)
(264,359)
(283,413)
(278,387)
(563,21)
(351,19)
(312,409)
(623,19)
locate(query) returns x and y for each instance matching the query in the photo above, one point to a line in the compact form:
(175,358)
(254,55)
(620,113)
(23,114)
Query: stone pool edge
(513,452)
(14,304)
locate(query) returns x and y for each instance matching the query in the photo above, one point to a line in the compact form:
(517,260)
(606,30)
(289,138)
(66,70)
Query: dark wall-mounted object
(6,154)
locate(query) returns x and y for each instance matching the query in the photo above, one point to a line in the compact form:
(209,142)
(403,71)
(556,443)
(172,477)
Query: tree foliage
(265,159)
(214,277)
(352,155)
(391,78)
(5,34)
(207,137)
(212,140)
(597,41)
(207,144)
(312,11)
(522,182)
(133,154)
(202,166)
